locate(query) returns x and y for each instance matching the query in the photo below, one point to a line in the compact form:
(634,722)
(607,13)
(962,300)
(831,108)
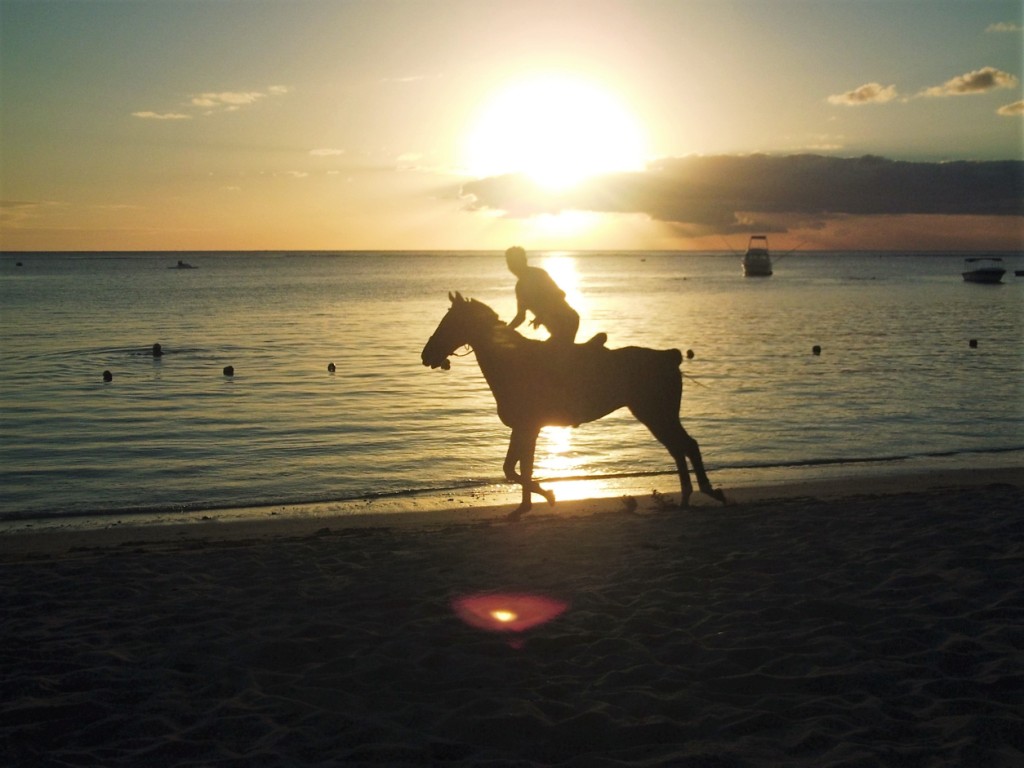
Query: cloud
(978,81)
(1004,26)
(216,101)
(731,194)
(870,93)
(229,99)
(326,152)
(14,213)
(1011,110)
(409,161)
(161,115)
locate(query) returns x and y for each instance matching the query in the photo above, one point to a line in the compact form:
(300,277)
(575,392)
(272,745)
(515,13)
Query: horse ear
(458,296)
(451,297)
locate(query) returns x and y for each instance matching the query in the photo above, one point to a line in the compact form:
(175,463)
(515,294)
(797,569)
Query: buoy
(108,376)
(331,368)
(229,370)
(689,354)
(816,349)
(158,351)
(973,343)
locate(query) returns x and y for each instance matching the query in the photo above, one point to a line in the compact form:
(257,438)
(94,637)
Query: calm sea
(896,383)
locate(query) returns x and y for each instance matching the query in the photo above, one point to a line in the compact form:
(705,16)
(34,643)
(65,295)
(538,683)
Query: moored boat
(757,262)
(183,265)
(983,269)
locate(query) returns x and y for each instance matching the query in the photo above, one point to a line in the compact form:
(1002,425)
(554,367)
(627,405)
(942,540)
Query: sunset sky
(476,124)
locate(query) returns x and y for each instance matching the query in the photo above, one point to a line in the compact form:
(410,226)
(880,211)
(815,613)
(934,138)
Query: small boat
(183,265)
(756,261)
(983,269)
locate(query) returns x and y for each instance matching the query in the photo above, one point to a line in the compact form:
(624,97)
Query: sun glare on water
(556,129)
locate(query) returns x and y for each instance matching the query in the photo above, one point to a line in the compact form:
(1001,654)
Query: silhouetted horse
(544,383)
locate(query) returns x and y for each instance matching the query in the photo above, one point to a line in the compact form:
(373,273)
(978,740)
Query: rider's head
(515,257)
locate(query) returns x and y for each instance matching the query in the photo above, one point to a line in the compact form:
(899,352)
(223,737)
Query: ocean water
(896,383)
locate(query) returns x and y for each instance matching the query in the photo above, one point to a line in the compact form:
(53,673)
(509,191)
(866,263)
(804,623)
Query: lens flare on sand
(507,612)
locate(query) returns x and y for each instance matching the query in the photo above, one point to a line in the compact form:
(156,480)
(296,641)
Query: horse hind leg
(521,450)
(692,452)
(670,432)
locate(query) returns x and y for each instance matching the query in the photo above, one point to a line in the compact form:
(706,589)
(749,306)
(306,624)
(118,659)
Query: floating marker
(108,376)
(331,368)
(229,370)
(816,349)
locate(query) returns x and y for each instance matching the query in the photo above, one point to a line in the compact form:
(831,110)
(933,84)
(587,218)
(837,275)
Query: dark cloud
(979,81)
(724,194)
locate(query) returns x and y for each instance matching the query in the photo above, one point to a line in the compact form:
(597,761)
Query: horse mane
(486,308)
(486,314)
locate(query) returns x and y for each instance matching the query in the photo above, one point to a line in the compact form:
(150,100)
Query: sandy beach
(869,624)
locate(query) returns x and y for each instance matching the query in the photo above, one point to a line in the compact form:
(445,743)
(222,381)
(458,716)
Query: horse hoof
(718,494)
(514,515)
(550,496)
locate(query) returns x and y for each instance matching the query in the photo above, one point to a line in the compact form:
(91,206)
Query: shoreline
(46,538)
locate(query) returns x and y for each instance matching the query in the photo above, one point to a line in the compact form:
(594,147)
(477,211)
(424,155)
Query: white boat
(756,261)
(983,269)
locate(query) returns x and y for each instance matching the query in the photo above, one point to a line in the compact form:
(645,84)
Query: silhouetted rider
(538,293)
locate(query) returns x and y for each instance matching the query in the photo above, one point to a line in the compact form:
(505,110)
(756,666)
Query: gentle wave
(469,487)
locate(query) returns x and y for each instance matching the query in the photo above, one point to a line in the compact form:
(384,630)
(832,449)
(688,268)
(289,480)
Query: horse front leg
(521,449)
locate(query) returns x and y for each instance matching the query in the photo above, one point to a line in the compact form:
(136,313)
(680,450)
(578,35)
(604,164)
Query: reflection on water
(555,454)
(581,488)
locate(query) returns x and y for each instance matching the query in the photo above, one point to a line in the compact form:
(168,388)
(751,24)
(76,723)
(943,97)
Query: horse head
(457,328)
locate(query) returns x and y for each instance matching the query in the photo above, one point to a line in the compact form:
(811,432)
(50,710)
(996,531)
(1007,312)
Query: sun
(556,129)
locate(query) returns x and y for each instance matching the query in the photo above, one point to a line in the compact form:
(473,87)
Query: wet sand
(870,623)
